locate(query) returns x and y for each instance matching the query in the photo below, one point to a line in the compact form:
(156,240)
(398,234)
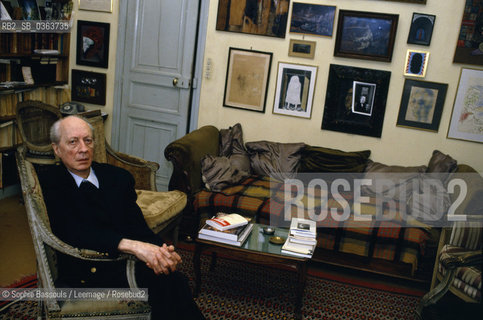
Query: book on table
(224,221)
(303,228)
(230,234)
(297,249)
(243,235)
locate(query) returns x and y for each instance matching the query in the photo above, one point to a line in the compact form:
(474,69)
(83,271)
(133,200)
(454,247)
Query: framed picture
(92,43)
(294,93)
(88,87)
(30,10)
(262,17)
(467,117)
(469,47)
(356,100)
(96,5)
(302,48)
(365,35)
(247,77)
(409,1)
(422,104)
(416,63)
(312,19)
(421,29)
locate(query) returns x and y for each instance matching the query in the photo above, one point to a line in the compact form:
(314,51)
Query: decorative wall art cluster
(355,98)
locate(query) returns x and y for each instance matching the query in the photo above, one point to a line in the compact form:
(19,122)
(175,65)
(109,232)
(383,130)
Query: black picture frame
(421,30)
(92,44)
(88,87)
(352,28)
(313,19)
(469,46)
(344,89)
(409,1)
(422,105)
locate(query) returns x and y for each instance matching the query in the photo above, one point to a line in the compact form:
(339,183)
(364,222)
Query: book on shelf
(238,243)
(230,234)
(224,221)
(303,228)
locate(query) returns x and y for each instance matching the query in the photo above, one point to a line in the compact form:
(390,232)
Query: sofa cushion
(159,207)
(278,160)
(320,159)
(443,164)
(231,141)
(221,172)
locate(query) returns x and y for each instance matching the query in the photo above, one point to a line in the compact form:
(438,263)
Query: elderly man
(93,205)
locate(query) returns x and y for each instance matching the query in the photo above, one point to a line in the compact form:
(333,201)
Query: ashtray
(268,230)
(277,240)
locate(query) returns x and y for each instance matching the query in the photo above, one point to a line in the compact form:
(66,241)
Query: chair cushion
(159,207)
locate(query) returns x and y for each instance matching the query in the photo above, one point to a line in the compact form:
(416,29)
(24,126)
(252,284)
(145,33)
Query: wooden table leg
(197,269)
(301,280)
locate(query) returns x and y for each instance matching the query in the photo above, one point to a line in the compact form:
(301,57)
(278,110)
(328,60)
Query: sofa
(221,173)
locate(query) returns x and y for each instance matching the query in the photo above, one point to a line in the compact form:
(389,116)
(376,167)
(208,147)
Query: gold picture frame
(301,48)
(416,63)
(96,5)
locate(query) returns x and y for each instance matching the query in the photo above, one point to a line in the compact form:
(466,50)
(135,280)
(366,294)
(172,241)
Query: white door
(156,74)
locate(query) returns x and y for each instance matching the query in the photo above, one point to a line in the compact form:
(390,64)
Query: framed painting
(469,47)
(92,43)
(422,105)
(416,63)
(365,35)
(467,117)
(421,29)
(88,87)
(247,78)
(409,1)
(314,19)
(96,5)
(355,101)
(302,48)
(294,93)
(262,17)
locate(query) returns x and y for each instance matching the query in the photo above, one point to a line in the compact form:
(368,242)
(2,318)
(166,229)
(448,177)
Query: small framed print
(92,43)
(421,29)
(416,63)
(467,117)
(247,78)
(88,87)
(422,105)
(294,93)
(96,5)
(314,19)
(302,48)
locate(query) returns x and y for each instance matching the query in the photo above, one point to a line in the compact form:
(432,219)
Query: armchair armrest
(455,257)
(186,154)
(144,171)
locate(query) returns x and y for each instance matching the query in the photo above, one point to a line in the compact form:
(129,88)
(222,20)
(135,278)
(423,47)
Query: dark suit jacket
(97,225)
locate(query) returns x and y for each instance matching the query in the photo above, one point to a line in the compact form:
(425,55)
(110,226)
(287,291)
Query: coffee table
(257,249)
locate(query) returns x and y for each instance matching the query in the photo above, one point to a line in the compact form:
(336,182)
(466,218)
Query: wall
(397,145)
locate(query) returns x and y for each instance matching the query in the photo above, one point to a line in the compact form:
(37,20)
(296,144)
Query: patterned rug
(237,290)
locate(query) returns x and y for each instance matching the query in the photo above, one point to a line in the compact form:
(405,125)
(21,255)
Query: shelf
(31,55)
(20,88)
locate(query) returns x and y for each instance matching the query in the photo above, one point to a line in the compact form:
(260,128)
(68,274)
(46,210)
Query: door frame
(197,72)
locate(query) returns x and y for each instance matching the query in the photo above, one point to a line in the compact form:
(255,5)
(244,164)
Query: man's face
(76,146)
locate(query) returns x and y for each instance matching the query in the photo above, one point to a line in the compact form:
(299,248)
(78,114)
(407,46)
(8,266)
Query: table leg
(197,269)
(302,279)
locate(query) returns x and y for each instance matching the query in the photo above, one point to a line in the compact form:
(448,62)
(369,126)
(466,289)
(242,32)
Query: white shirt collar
(92,178)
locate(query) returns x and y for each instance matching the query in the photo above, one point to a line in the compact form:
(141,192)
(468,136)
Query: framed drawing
(421,29)
(416,63)
(469,47)
(294,93)
(92,43)
(262,17)
(356,100)
(409,1)
(96,5)
(312,19)
(422,104)
(88,87)
(302,48)
(365,35)
(247,77)
(467,117)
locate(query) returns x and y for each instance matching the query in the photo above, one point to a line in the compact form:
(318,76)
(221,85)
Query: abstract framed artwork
(247,78)
(365,35)
(262,17)
(467,117)
(312,19)
(416,63)
(88,87)
(421,29)
(469,47)
(92,43)
(294,93)
(302,48)
(422,105)
(355,101)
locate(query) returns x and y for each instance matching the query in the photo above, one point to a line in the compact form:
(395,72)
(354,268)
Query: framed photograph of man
(422,104)
(355,101)
(294,93)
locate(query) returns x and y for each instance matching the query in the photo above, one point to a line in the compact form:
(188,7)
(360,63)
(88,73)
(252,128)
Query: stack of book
(230,229)
(301,241)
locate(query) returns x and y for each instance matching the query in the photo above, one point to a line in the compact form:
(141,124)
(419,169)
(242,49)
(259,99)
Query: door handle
(175,82)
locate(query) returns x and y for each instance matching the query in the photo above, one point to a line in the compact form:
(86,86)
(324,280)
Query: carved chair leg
(437,293)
